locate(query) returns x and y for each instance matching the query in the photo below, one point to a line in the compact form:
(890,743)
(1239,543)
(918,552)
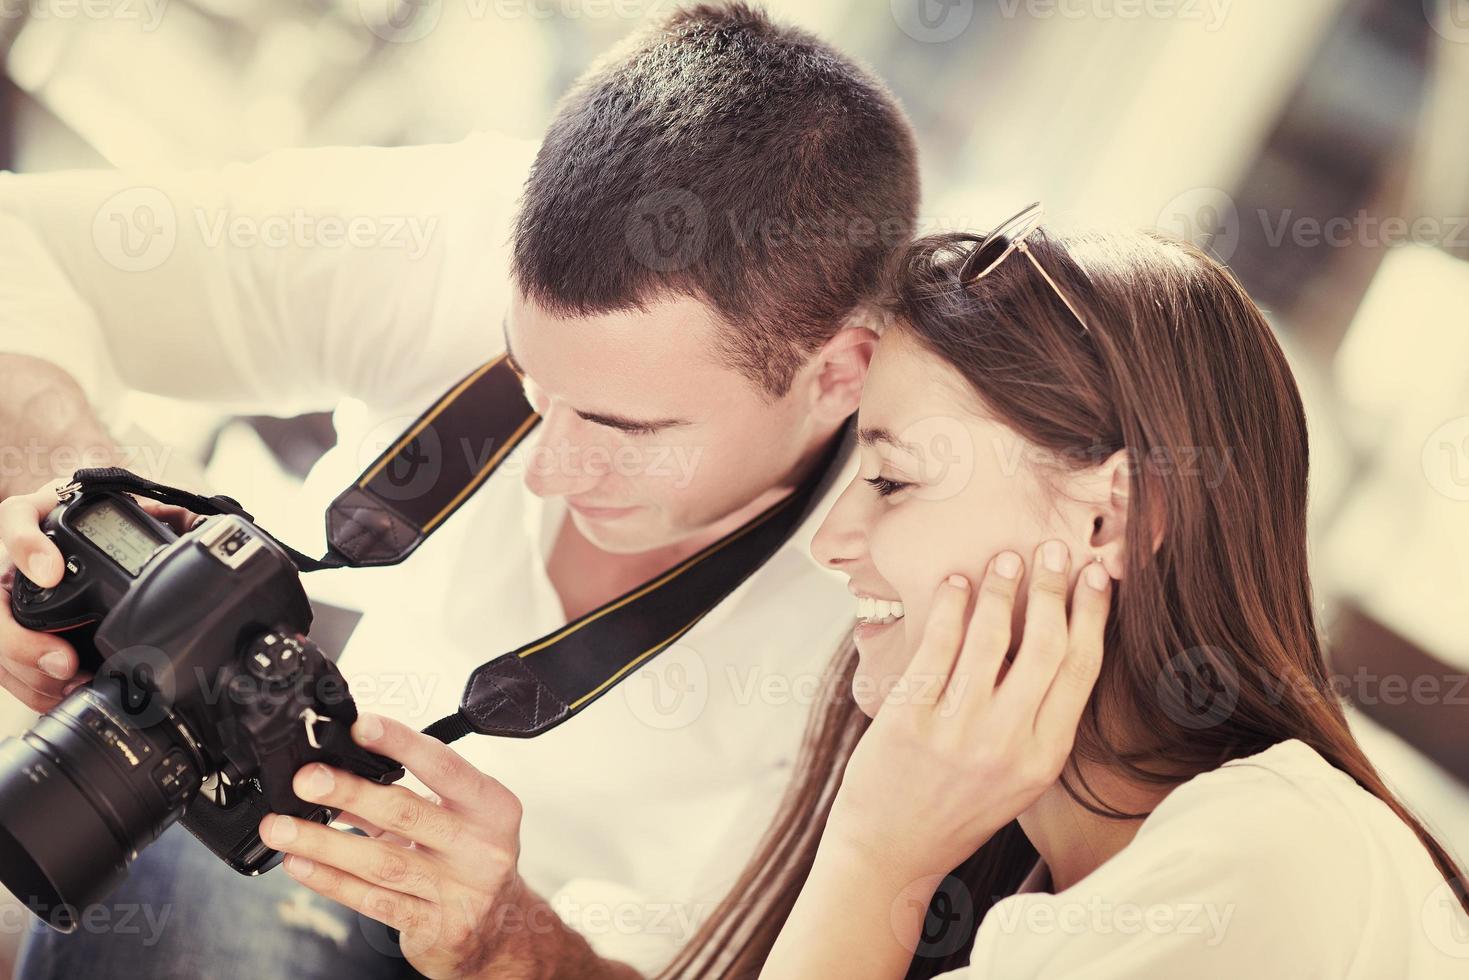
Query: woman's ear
(1108,509)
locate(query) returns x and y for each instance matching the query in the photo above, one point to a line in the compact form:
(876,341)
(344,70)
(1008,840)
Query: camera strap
(428,473)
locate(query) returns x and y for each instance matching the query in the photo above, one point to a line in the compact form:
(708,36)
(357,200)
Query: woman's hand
(964,743)
(967,739)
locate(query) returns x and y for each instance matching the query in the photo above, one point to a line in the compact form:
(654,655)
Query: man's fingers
(406,913)
(1061,710)
(371,829)
(374,861)
(179,519)
(20,535)
(37,702)
(435,765)
(44,661)
(394,809)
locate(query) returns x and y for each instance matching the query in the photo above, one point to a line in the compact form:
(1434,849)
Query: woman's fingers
(987,640)
(1043,645)
(943,634)
(1061,709)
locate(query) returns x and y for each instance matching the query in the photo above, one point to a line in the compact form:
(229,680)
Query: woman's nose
(842,537)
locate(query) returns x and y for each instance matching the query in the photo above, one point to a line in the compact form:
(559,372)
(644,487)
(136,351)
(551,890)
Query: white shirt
(642,810)
(1277,865)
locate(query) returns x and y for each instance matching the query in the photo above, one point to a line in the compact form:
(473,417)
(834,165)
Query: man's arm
(274,287)
(538,945)
(46,423)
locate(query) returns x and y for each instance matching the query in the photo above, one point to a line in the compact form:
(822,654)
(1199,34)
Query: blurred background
(1319,147)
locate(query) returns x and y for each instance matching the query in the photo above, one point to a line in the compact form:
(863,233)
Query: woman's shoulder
(1289,806)
(1276,859)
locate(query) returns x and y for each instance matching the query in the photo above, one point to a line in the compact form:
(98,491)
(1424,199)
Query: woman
(1113,414)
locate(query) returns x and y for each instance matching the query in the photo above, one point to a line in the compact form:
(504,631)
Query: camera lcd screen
(118,534)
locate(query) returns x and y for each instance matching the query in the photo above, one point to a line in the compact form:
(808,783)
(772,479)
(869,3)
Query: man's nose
(559,462)
(842,537)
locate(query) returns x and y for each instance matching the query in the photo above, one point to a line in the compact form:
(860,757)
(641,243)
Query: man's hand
(443,872)
(39,669)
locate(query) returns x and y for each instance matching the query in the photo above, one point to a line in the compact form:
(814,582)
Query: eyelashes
(884,486)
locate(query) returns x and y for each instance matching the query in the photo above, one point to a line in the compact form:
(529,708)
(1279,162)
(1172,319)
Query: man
(692,259)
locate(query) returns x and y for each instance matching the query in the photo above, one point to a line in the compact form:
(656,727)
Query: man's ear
(1108,499)
(836,373)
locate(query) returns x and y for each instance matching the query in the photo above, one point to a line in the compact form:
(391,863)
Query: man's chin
(630,535)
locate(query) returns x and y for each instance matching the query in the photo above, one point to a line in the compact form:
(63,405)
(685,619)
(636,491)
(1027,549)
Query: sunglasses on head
(997,246)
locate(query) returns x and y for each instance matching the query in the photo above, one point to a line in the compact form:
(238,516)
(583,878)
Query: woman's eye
(884,486)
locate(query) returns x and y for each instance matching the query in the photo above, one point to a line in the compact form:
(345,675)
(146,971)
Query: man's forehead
(670,329)
(655,364)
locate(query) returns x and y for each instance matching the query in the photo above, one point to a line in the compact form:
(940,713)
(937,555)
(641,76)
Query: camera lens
(83,792)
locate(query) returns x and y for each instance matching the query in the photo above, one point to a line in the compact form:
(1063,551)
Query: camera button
(74,566)
(169,776)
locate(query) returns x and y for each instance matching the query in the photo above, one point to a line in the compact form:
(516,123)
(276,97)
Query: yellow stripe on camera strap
(438,463)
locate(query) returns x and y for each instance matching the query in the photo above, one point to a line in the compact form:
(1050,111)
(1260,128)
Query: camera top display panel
(118,534)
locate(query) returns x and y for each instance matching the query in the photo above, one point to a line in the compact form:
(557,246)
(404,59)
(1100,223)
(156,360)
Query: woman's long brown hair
(1212,647)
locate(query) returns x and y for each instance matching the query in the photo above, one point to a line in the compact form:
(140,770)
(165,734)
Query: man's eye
(884,486)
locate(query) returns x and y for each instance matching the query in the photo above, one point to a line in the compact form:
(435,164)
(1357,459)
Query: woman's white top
(1274,865)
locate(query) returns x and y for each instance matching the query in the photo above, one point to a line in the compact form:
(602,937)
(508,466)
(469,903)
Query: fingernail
(57,664)
(958,582)
(369,728)
(1007,564)
(282,830)
(1096,576)
(44,568)
(299,867)
(1053,553)
(319,782)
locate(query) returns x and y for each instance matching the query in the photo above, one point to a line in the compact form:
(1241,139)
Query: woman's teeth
(879,611)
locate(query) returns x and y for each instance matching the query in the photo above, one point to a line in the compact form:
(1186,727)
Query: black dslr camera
(207,698)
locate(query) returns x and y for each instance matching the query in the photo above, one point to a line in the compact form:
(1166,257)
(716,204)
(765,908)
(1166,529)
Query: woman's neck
(1071,840)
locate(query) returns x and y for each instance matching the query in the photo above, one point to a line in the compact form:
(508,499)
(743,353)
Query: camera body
(207,698)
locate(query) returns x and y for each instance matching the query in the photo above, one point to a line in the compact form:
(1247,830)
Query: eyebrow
(876,435)
(619,422)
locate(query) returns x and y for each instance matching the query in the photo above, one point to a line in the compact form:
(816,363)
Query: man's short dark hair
(724,157)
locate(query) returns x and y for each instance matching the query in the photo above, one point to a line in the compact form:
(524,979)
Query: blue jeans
(182,913)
